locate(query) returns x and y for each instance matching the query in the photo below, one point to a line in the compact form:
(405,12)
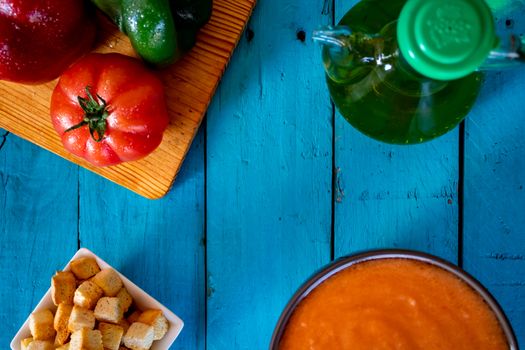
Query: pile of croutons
(91,309)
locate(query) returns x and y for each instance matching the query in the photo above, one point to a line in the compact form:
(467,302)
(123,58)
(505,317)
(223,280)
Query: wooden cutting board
(190,85)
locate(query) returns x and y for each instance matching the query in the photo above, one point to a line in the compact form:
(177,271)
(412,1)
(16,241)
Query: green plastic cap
(445,39)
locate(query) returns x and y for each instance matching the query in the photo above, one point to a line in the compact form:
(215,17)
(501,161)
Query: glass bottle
(406,72)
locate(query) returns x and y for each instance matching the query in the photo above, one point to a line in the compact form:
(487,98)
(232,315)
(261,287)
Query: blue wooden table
(276,185)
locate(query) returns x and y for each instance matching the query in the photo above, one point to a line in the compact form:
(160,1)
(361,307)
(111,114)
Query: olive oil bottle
(406,72)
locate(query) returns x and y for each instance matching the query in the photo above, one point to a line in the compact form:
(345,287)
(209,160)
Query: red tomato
(39,39)
(109,108)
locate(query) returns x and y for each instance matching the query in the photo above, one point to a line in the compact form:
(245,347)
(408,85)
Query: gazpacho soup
(393,303)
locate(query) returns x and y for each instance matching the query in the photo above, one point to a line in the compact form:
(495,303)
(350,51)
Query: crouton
(84,268)
(81,318)
(111,335)
(41,325)
(61,323)
(40,345)
(139,336)
(109,281)
(134,316)
(63,347)
(63,286)
(108,309)
(86,339)
(87,295)
(125,299)
(24,343)
(156,319)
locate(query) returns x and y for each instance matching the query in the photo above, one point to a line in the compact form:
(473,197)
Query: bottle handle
(333,36)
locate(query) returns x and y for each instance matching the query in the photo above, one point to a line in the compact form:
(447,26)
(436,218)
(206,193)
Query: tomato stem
(95,115)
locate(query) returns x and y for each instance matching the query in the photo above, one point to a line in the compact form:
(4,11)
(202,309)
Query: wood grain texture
(158,245)
(494,243)
(268,176)
(38,221)
(494,240)
(190,85)
(394,196)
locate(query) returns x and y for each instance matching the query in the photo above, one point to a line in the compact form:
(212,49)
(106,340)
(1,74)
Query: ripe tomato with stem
(109,109)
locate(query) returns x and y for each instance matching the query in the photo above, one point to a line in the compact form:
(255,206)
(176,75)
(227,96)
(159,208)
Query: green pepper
(149,25)
(158,29)
(151,29)
(190,16)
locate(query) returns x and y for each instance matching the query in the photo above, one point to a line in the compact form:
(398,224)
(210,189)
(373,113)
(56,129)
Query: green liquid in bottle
(391,102)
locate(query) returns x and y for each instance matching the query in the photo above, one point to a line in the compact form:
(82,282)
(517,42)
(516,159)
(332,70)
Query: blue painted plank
(158,244)
(494,244)
(494,196)
(394,196)
(269,174)
(38,230)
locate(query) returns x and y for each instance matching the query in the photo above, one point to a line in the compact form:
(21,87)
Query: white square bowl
(141,299)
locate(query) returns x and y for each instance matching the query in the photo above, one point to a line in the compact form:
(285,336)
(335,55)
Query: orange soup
(393,303)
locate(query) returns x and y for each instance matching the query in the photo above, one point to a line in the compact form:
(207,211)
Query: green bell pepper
(159,30)
(151,29)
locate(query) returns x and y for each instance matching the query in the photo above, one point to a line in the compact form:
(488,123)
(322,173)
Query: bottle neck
(348,55)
